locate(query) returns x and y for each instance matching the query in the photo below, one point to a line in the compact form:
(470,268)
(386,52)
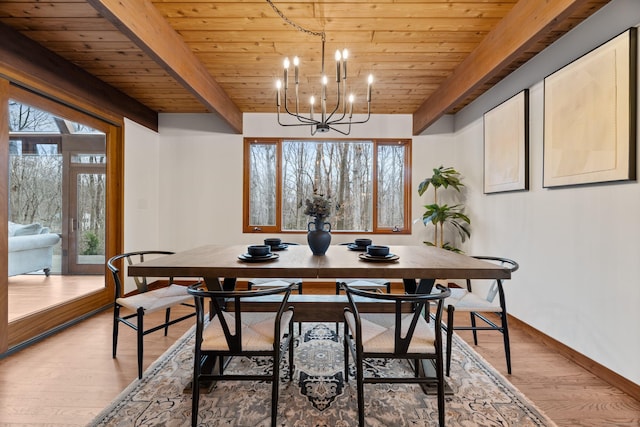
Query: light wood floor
(29,293)
(68,378)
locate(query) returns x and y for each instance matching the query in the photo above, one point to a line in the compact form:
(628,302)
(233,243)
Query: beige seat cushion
(158,299)
(464,300)
(378,333)
(257,331)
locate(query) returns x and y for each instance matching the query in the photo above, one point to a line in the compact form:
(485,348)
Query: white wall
(141,187)
(577,246)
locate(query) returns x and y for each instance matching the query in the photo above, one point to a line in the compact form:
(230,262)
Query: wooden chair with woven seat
(145,301)
(395,335)
(466,300)
(227,331)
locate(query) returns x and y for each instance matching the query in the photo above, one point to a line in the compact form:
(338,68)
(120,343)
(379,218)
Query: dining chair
(366,284)
(227,331)
(144,301)
(395,335)
(466,300)
(275,283)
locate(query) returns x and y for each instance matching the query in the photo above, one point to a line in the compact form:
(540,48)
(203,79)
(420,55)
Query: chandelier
(325,117)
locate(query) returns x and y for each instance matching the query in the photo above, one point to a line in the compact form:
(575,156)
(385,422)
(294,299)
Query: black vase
(319,236)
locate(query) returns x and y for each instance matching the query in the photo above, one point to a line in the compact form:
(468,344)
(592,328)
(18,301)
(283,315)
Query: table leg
(427,368)
(423,286)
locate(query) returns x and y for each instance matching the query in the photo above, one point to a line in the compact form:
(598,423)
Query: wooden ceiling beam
(30,65)
(145,25)
(526,24)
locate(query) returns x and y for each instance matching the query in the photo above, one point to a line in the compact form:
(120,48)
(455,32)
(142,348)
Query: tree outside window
(366,181)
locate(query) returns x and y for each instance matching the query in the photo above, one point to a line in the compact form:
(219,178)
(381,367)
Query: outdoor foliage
(36,175)
(342,171)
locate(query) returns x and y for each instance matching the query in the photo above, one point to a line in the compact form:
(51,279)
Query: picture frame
(506,145)
(590,116)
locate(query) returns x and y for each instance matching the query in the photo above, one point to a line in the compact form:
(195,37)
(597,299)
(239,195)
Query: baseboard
(605,374)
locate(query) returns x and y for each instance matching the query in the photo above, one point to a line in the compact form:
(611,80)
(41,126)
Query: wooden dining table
(418,266)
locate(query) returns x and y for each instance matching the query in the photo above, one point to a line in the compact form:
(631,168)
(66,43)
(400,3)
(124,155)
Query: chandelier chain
(293,24)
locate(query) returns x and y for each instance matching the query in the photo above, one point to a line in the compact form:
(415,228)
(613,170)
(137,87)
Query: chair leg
(441,400)
(346,354)
(140,340)
(116,324)
(167,317)
(505,337)
(450,310)
(360,389)
(195,389)
(291,360)
(473,325)
(275,382)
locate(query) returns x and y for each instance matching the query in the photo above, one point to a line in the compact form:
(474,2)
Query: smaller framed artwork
(506,145)
(590,116)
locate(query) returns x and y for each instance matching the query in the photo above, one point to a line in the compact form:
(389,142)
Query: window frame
(405,228)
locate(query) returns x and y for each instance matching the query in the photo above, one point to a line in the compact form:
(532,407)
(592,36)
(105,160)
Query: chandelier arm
(342,132)
(304,121)
(362,121)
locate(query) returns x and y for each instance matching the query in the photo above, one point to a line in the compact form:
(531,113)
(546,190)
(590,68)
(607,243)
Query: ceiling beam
(30,65)
(526,24)
(145,26)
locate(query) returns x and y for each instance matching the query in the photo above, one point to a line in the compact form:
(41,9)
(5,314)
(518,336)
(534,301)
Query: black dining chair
(144,301)
(223,330)
(395,335)
(466,300)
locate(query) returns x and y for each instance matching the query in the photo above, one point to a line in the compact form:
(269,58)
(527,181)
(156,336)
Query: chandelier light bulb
(312,100)
(338,55)
(286,63)
(296,61)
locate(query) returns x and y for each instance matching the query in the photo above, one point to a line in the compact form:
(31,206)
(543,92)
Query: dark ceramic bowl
(272,241)
(259,250)
(375,250)
(362,242)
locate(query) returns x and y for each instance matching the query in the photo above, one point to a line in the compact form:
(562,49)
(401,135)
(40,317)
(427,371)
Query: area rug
(318,395)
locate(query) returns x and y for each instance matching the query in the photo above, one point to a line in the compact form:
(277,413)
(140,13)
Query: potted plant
(442,214)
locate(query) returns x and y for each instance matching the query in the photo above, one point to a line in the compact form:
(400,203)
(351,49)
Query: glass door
(86,218)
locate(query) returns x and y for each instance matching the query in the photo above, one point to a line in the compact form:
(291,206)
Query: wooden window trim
(277,228)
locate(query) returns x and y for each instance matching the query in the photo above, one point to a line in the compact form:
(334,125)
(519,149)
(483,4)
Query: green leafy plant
(442,214)
(91,243)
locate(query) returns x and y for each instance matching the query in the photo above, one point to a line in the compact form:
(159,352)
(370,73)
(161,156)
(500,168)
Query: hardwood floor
(29,293)
(68,378)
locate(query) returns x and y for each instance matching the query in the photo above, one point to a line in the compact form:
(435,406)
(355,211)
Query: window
(367,181)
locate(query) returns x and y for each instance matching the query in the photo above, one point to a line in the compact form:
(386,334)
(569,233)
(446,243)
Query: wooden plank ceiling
(428,58)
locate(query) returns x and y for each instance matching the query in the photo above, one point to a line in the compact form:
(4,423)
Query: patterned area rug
(318,395)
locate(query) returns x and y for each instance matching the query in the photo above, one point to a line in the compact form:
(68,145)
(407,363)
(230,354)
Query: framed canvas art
(590,116)
(506,145)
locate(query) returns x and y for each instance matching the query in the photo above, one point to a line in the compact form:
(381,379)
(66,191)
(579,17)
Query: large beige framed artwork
(506,145)
(590,116)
